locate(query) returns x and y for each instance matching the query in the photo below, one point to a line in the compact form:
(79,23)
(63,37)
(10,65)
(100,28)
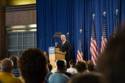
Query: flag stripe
(94,51)
(79,56)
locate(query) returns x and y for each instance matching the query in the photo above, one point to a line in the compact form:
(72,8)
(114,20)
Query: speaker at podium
(55,54)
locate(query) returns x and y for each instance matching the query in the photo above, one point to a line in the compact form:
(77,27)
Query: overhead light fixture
(32,25)
(18,30)
(18,26)
(32,30)
(22,2)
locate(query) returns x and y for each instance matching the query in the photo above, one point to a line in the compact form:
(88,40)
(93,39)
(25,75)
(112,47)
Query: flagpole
(104,34)
(79,51)
(80,30)
(116,21)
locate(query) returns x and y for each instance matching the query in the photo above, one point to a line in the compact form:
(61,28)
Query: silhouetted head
(14,60)
(81,66)
(72,63)
(90,66)
(6,65)
(61,65)
(88,77)
(33,65)
(112,61)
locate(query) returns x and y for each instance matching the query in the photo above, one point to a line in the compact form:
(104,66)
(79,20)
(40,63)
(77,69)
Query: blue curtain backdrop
(75,17)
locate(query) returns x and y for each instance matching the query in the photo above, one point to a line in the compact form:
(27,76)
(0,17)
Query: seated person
(33,66)
(90,66)
(48,73)
(15,69)
(60,76)
(81,66)
(72,68)
(88,77)
(5,75)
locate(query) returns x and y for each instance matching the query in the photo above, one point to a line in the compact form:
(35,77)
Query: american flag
(104,33)
(93,43)
(79,56)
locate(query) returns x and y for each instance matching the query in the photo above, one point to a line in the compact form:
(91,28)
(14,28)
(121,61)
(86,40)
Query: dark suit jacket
(66,47)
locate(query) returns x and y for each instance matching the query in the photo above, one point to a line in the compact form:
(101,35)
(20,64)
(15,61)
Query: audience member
(112,61)
(72,68)
(33,66)
(90,66)
(5,75)
(15,69)
(88,77)
(48,73)
(81,67)
(60,76)
(47,56)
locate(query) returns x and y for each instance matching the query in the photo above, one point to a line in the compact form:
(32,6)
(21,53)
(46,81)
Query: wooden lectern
(57,55)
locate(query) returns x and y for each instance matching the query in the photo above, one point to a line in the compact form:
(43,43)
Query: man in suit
(66,47)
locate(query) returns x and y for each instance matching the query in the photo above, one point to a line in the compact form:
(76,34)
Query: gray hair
(63,36)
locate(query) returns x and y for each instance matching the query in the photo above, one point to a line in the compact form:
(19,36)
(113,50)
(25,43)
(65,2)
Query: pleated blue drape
(75,17)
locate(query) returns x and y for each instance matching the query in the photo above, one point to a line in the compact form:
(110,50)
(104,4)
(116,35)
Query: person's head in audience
(47,56)
(88,77)
(112,61)
(90,66)
(50,67)
(14,60)
(72,63)
(81,66)
(6,65)
(6,75)
(15,70)
(61,65)
(33,65)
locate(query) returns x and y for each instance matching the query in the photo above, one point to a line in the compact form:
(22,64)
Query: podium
(54,55)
